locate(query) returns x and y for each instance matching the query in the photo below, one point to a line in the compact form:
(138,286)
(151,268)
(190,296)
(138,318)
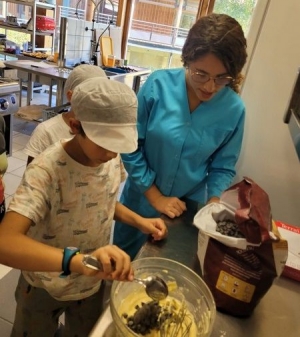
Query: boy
(56,128)
(67,198)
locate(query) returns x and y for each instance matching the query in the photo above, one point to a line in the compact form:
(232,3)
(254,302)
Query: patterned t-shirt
(70,205)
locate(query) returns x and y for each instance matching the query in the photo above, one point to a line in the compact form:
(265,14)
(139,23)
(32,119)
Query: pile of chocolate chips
(229,228)
(145,319)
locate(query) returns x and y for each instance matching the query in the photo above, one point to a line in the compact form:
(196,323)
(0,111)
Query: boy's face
(95,155)
(86,152)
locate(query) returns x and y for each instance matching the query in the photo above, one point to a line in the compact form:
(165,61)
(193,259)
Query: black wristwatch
(68,253)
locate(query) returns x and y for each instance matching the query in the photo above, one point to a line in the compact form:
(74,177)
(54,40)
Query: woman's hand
(213,199)
(115,263)
(170,206)
(154,226)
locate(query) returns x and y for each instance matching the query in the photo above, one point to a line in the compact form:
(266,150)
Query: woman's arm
(222,167)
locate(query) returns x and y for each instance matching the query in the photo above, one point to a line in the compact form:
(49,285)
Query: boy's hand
(155,227)
(115,264)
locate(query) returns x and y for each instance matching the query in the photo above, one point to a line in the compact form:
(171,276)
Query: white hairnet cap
(81,73)
(107,110)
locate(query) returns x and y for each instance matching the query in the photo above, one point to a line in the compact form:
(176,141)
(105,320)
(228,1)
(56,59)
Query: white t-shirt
(71,205)
(46,134)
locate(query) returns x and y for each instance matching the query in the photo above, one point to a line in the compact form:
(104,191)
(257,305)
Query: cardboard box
(9,73)
(292,235)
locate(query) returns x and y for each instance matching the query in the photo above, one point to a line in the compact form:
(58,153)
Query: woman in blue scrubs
(190,128)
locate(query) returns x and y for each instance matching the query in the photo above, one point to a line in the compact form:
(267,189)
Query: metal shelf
(17,29)
(32,32)
(21,56)
(8,54)
(32,3)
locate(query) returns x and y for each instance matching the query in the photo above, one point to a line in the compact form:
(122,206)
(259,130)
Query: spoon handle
(91,262)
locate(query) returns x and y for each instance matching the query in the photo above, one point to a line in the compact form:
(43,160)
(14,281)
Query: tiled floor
(16,166)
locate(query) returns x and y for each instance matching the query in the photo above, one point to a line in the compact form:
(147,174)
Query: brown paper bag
(239,269)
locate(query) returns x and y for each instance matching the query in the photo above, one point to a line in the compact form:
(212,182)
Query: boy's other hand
(156,227)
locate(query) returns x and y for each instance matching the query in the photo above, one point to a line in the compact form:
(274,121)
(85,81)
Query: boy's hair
(81,73)
(107,110)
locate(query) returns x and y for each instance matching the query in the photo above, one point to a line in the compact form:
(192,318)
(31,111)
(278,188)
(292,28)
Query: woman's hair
(221,35)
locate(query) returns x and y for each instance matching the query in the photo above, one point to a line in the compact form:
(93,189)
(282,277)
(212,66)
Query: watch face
(72,248)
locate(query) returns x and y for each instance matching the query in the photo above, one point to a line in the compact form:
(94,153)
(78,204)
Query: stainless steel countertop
(58,76)
(276,315)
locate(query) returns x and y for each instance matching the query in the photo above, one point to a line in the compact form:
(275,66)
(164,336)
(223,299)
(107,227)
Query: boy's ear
(69,95)
(75,125)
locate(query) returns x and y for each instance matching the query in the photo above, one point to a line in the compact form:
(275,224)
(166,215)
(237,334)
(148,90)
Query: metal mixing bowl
(190,286)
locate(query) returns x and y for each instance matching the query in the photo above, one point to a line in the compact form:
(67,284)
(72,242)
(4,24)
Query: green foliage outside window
(187,21)
(17,37)
(241,10)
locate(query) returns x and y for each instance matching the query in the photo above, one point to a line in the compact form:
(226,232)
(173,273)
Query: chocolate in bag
(240,269)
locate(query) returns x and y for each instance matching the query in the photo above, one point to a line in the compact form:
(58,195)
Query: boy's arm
(154,226)
(20,251)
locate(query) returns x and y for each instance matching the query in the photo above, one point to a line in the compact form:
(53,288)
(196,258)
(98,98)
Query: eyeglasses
(200,77)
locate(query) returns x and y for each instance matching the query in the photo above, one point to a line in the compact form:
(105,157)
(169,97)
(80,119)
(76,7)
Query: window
(158,29)
(241,10)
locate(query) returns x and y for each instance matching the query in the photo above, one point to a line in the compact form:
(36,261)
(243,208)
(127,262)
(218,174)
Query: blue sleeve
(221,170)
(135,163)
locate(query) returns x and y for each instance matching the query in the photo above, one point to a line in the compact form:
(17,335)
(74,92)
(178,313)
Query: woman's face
(202,75)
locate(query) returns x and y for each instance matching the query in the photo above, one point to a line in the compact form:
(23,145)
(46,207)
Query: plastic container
(55,57)
(110,60)
(190,286)
(45,23)
(53,111)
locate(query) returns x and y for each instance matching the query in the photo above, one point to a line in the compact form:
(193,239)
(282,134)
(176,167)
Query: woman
(190,125)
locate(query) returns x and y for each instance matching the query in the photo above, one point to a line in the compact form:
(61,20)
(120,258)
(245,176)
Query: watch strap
(68,254)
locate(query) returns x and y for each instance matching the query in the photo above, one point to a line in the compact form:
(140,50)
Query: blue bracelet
(68,253)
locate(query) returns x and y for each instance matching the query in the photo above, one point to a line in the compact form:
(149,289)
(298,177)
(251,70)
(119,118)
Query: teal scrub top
(187,155)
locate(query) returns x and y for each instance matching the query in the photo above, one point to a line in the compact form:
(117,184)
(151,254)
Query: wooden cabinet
(41,40)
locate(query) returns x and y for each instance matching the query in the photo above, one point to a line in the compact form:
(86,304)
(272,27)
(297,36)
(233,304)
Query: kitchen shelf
(34,33)
(21,56)
(30,3)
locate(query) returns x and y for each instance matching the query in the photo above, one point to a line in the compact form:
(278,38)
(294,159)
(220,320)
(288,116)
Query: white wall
(268,156)
(79,40)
